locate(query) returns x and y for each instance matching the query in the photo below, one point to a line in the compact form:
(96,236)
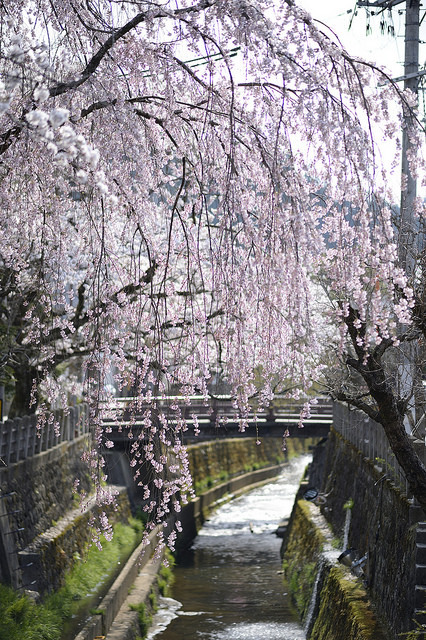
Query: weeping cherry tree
(194,187)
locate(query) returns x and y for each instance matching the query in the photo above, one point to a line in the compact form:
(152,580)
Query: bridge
(218,419)
(20,438)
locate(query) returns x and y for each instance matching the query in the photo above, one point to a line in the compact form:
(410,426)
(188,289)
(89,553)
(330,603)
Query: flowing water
(229,586)
(346,529)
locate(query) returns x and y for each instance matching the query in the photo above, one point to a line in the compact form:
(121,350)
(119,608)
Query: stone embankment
(358,511)
(35,495)
(332,602)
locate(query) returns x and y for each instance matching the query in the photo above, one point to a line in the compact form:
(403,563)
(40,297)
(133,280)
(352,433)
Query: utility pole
(409,377)
(408,241)
(408,231)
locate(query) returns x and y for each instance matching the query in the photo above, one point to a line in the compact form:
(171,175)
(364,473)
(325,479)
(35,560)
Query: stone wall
(332,603)
(220,459)
(381,525)
(34,495)
(38,491)
(365,511)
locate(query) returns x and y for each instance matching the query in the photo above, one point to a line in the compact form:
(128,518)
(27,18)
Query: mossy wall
(38,491)
(304,544)
(379,526)
(216,460)
(344,610)
(54,552)
(338,606)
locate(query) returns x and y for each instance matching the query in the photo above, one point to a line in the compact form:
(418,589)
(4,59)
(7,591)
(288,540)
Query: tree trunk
(24,380)
(391,417)
(390,408)
(413,467)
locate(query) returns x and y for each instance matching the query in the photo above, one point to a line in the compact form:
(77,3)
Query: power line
(383,4)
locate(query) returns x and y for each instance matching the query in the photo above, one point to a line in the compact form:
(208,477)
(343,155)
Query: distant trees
(167,205)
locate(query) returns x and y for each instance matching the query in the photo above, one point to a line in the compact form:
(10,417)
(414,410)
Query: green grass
(21,618)
(153,600)
(144,618)
(88,576)
(165,576)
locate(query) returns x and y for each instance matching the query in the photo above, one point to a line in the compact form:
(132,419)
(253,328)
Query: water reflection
(229,585)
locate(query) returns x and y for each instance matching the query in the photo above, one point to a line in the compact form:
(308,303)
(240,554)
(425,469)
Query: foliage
(22,618)
(219,211)
(144,619)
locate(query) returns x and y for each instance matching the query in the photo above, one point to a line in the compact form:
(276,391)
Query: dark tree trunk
(390,410)
(402,447)
(24,376)
(391,416)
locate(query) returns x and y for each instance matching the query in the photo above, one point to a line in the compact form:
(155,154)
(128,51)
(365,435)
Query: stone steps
(420,575)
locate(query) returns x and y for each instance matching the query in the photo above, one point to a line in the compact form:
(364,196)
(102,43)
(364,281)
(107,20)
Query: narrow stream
(229,586)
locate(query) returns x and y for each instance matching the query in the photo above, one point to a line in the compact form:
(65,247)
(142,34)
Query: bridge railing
(369,437)
(220,408)
(21,438)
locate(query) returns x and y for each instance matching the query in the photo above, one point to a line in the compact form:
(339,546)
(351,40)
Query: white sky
(383,50)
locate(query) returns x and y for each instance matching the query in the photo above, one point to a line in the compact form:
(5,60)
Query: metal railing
(20,438)
(369,437)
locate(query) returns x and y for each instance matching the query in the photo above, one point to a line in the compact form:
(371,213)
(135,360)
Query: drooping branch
(116,36)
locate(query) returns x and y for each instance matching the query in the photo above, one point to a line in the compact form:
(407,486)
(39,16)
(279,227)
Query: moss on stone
(304,546)
(212,462)
(345,611)
(144,618)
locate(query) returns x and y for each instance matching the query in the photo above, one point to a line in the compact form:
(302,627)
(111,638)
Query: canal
(229,585)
